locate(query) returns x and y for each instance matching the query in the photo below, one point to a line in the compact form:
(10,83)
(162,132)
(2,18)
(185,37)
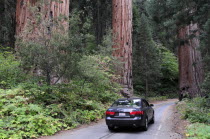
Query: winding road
(161,129)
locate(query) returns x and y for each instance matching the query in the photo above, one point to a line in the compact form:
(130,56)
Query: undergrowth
(23,115)
(197,111)
(198,131)
(22,119)
(30,107)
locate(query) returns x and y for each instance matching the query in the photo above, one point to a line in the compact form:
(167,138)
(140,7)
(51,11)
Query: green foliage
(98,69)
(169,70)
(163,24)
(152,63)
(198,131)
(105,49)
(10,71)
(53,53)
(98,12)
(82,100)
(30,112)
(50,55)
(206,85)
(86,116)
(205,43)
(169,15)
(169,65)
(81,39)
(146,67)
(22,119)
(155,67)
(196,110)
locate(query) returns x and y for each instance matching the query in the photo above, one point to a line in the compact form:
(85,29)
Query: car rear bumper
(125,122)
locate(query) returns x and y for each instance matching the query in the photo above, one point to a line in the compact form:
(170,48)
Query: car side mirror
(151,105)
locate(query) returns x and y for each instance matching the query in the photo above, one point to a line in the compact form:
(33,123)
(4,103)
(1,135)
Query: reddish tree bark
(190,65)
(51,9)
(122,29)
(35,22)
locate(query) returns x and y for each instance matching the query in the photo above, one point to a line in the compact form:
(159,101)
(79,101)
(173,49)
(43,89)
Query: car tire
(111,128)
(153,119)
(145,127)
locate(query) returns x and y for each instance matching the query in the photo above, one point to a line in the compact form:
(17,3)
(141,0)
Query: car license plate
(121,114)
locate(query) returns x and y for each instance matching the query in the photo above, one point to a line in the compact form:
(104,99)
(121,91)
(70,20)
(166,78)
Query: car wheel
(153,119)
(145,127)
(111,128)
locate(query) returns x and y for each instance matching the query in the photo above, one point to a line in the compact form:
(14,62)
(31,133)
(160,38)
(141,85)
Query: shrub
(20,119)
(86,116)
(198,131)
(10,72)
(206,85)
(198,113)
(196,110)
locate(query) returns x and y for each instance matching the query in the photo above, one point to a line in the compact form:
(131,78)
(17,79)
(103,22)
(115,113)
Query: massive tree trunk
(36,20)
(190,65)
(25,15)
(122,29)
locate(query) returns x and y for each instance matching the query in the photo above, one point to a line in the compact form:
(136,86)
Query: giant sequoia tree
(184,17)
(43,38)
(49,8)
(122,29)
(190,61)
(190,64)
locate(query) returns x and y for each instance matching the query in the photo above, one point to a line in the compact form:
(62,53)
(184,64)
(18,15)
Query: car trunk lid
(122,112)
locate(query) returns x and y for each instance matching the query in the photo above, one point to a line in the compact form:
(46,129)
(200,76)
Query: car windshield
(127,103)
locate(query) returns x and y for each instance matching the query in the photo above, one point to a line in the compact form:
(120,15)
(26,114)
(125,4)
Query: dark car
(130,112)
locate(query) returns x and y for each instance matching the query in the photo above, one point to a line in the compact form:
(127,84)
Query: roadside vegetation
(197,111)
(25,116)
(29,109)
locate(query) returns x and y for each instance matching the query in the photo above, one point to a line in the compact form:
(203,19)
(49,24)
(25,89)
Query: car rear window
(127,103)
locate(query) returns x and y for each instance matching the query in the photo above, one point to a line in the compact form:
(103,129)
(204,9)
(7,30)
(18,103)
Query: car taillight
(137,113)
(110,113)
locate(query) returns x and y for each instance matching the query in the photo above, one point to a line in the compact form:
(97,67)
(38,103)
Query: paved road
(161,129)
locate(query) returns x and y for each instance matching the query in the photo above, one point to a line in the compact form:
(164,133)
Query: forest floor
(180,124)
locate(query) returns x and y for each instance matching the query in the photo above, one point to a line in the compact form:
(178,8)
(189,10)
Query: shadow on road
(128,130)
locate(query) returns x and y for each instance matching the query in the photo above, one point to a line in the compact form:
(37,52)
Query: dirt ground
(179,124)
